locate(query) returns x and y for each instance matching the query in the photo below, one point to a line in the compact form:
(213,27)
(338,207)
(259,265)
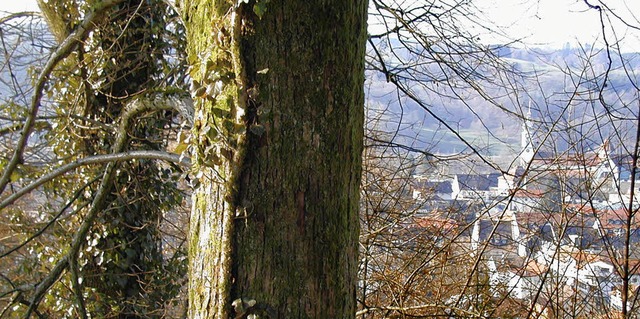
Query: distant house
(518,277)
(634,285)
(538,228)
(622,195)
(432,189)
(436,229)
(525,200)
(613,225)
(474,186)
(616,299)
(499,232)
(634,267)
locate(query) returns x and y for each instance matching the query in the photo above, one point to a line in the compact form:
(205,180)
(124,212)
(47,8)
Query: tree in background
(109,90)
(129,270)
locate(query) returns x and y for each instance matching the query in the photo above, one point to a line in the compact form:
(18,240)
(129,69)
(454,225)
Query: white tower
(526,142)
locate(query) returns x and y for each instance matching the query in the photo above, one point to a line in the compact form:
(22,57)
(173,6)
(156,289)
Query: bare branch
(97,159)
(63,51)
(18,15)
(53,220)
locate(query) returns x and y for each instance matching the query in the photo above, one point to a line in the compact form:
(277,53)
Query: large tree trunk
(277,143)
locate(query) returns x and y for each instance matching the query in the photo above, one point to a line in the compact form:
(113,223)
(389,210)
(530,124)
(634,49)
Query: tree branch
(405,310)
(97,159)
(62,52)
(75,196)
(17,15)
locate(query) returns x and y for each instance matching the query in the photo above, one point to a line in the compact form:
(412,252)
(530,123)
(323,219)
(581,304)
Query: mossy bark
(277,142)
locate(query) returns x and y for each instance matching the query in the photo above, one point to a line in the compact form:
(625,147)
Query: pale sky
(18,5)
(556,22)
(540,22)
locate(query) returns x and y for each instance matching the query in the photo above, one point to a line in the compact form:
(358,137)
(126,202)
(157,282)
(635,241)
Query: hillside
(557,86)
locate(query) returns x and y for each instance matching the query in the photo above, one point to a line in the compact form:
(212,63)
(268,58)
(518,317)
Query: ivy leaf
(15,176)
(260,8)
(218,112)
(200,92)
(181,147)
(257,129)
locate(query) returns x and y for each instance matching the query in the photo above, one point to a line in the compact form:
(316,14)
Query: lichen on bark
(217,134)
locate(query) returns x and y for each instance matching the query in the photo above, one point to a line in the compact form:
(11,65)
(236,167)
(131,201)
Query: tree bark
(277,147)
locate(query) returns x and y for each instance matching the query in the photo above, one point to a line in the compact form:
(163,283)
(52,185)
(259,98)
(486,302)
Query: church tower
(526,142)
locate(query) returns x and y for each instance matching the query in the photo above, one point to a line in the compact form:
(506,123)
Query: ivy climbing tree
(111,88)
(277,143)
(129,246)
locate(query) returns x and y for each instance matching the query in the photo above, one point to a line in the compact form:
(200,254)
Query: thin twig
(69,44)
